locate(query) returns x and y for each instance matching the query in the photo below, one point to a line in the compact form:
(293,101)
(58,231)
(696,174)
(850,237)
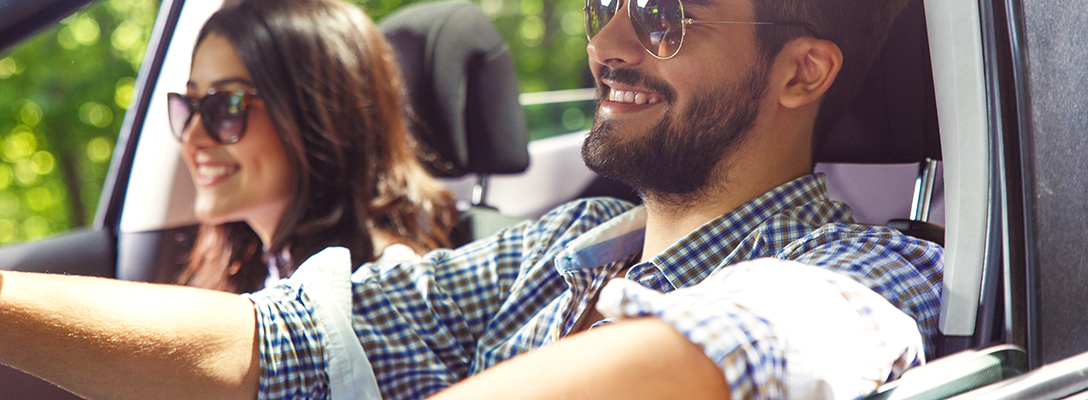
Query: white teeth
(213,171)
(631,97)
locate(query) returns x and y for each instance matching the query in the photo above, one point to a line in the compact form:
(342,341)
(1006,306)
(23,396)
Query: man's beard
(681,153)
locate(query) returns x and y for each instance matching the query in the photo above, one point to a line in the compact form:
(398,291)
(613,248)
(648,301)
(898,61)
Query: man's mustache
(632,77)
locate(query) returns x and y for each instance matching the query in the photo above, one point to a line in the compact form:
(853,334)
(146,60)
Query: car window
(557,112)
(63,97)
(59,120)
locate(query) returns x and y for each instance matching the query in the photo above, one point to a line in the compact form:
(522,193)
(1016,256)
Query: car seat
(463,95)
(893,119)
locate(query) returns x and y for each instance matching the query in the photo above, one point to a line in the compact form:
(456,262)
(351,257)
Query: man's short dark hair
(858,27)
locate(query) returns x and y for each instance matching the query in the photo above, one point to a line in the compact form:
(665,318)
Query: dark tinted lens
(598,13)
(224,116)
(659,25)
(177,108)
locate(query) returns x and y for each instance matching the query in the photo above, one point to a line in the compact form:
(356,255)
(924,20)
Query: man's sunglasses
(659,24)
(222,114)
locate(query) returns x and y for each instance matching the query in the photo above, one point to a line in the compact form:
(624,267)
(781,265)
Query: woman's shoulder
(397,252)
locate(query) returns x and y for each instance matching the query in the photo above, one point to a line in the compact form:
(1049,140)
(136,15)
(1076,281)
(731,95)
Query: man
(714,126)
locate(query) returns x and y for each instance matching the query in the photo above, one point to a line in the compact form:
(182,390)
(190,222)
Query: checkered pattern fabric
(428,324)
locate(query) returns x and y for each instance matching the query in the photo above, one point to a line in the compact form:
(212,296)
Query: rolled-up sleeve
(307,346)
(782,329)
(413,328)
(291,345)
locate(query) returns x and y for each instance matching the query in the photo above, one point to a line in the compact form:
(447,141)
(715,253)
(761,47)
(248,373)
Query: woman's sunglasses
(222,114)
(659,24)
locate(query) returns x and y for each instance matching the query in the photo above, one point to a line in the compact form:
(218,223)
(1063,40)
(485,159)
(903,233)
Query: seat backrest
(462,88)
(893,118)
(463,92)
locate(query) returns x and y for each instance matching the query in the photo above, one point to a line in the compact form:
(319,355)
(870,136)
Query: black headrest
(462,87)
(893,119)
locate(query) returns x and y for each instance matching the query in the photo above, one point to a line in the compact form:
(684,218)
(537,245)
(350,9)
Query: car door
(1047,59)
(138,232)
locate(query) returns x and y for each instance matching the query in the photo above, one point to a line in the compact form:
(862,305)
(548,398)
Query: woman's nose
(195,135)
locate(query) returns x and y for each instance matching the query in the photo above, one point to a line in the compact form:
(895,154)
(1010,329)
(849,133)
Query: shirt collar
(622,236)
(611,241)
(717,239)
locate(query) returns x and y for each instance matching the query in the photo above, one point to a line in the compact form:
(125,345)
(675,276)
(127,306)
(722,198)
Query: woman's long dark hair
(332,88)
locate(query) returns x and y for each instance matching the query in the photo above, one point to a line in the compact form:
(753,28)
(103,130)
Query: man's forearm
(102,338)
(639,359)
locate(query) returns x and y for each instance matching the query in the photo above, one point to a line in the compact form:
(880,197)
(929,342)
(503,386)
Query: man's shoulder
(818,223)
(871,233)
(850,242)
(587,212)
(547,234)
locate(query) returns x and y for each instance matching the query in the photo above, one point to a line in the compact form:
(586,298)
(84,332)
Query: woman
(293,129)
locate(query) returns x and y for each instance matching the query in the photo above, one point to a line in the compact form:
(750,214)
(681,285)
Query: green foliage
(64,94)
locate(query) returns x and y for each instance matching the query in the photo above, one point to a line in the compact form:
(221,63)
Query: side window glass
(63,98)
(548,41)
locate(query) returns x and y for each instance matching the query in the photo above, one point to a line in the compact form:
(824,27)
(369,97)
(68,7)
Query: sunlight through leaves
(99,149)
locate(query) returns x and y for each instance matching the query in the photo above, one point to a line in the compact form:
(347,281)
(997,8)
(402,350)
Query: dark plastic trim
(988,329)
(22,19)
(154,256)
(1023,300)
(78,252)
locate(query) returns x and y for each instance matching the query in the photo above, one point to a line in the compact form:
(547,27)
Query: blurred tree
(64,93)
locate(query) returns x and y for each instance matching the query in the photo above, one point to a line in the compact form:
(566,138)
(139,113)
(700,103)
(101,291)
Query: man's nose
(616,45)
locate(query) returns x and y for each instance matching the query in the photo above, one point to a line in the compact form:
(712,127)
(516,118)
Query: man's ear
(807,67)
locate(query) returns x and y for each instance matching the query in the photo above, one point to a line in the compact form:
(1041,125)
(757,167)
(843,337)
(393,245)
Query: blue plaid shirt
(410,330)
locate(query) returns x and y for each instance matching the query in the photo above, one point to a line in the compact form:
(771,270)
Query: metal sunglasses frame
(684,22)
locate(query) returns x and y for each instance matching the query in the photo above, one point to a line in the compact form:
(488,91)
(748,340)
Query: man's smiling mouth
(633,97)
(631,86)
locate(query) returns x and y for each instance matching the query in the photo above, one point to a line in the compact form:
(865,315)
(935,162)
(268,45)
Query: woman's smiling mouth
(210,174)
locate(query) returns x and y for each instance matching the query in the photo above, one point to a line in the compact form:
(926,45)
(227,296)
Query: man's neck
(666,225)
(670,218)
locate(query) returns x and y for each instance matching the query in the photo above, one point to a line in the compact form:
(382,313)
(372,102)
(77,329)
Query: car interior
(937,144)
(463,92)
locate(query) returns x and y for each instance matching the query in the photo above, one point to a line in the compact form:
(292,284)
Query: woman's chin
(213,216)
